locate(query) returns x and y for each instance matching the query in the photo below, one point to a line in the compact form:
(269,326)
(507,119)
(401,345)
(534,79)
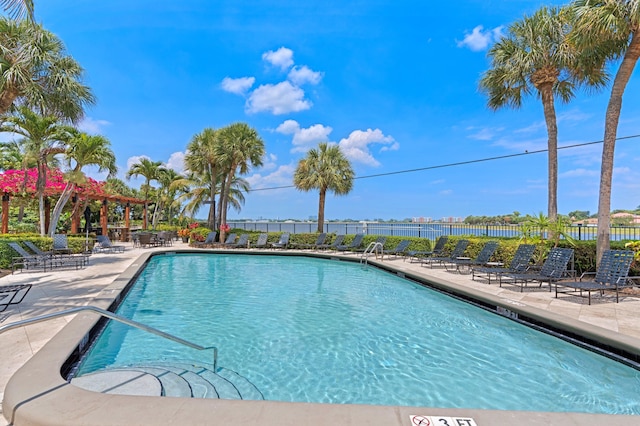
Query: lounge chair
(37,250)
(320,239)
(242,242)
(354,244)
(104,245)
(231,239)
(338,241)
(46,260)
(373,247)
(283,242)
(60,244)
(210,239)
(262,241)
(612,274)
(26,259)
(437,250)
(553,269)
(518,265)
(457,252)
(12,294)
(482,259)
(399,250)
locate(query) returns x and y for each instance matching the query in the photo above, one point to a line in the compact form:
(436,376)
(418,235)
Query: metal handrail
(114,317)
(372,247)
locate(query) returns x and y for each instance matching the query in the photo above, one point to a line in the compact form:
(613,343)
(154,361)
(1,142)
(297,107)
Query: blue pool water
(315,330)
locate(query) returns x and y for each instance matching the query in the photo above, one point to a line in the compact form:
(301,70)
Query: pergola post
(127,215)
(5,213)
(75,219)
(104,220)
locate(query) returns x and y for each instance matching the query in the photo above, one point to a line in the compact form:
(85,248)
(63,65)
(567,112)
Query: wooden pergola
(13,183)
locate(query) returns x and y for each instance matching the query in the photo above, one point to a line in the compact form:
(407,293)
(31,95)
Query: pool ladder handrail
(371,248)
(115,317)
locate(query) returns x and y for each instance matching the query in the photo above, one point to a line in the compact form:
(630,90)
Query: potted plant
(184,234)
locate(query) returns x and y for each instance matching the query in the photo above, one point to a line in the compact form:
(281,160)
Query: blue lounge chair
(518,265)
(457,252)
(334,244)
(320,239)
(482,259)
(437,250)
(283,242)
(399,250)
(104,245)
(242,242)
(262,241)
(612,274)
(353,245)
(553,269)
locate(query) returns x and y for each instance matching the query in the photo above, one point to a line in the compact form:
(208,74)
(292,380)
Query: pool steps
(175,379)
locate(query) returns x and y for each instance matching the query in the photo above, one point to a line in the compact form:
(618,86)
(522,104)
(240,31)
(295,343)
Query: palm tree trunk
(57,210)
(612,118)
(43,231)
(546,93)
(323,196)
(7,97)
(225,199)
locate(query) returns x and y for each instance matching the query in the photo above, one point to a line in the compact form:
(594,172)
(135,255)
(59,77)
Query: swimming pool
(314,330)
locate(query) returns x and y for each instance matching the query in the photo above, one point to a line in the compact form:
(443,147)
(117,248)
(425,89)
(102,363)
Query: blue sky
(395,84)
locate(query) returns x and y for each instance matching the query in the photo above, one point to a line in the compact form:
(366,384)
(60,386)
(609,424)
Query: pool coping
(37,394)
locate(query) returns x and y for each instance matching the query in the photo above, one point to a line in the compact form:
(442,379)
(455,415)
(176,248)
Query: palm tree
(535,56)
(196,189)
(613,28)
(148,169)
(42,138)
(241,149)
(18,9)
(83,150)
(166,196)
(202,159)
(35,71)
(324,169)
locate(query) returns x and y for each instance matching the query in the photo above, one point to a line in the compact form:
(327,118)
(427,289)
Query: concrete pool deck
(54,291)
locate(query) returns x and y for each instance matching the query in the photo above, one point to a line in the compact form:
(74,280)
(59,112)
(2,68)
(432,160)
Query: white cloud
(446,192)
(479,39)
(579,173)
(239,86)
(303,74)
(282,58)
(484,134)
(134,160)
(282,176)
(303,139)
(280,98)
(356,146)
(91,126)
(176,162)
(270,162)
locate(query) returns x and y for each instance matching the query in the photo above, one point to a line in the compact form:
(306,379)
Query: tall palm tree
(241,149)
(42,138)
(536,56)
(202,158)
(83,150)
(166,196)
(611,27)
(148,169)
(36,71)
(196,189)
(18,9)
(325,169)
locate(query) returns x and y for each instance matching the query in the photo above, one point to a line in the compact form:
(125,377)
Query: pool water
(315,330)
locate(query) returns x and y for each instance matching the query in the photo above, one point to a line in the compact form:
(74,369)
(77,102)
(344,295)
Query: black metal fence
(430,230)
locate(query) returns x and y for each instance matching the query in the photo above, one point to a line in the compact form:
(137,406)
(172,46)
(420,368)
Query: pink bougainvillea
(13,182)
